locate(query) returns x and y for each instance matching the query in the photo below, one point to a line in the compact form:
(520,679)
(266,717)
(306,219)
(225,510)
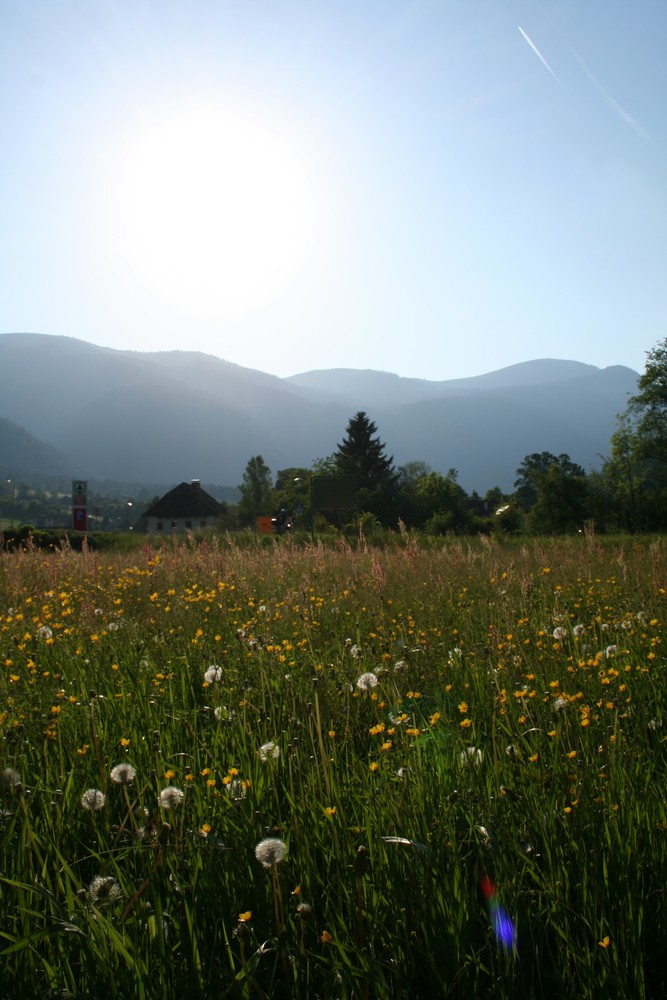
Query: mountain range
(163,417)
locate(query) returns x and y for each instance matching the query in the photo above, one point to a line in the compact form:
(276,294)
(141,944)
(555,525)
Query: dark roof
(186,500)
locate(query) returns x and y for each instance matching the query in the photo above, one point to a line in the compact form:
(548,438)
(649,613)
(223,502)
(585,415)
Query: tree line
(552,494)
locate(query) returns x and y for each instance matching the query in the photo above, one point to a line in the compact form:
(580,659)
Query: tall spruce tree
(361,454)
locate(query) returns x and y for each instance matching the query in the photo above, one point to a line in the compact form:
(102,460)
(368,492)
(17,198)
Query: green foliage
(636,471)
(361,454)
(256,491)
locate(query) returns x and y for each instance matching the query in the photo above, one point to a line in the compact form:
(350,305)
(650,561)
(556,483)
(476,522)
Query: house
(185,508)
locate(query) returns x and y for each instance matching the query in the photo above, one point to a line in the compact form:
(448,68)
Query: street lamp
(12,484)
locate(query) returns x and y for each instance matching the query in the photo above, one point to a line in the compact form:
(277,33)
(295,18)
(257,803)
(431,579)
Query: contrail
(540,56)
(621,112)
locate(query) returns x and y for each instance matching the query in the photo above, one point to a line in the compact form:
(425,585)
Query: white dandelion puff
(559,633)
(271,851)
(92,800)
(367,681)
(104,890)
(11,779)
(123,774)
(269,751)
(213,674)
(45,632)
(171,797)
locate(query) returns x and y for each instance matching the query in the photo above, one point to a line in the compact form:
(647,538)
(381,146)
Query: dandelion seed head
(367,681)
(471,755)
(270,851)
(11,779)
(123,774)
(45,632)
(213,675)
(269,751)
(171,797)
(104,890)
(92,800)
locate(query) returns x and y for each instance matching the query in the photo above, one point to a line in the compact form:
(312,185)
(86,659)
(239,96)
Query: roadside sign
(79,487)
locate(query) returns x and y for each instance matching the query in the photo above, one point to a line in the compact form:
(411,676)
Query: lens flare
(503,925)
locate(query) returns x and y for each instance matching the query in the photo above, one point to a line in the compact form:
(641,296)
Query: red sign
(79,518)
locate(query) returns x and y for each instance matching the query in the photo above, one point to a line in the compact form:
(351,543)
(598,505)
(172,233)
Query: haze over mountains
(166,417)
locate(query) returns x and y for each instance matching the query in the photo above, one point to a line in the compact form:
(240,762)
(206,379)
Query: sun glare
(213,211)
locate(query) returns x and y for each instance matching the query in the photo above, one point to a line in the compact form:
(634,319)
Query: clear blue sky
(432,188)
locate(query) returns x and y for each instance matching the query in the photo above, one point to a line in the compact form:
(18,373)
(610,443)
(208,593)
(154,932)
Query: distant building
(185,508)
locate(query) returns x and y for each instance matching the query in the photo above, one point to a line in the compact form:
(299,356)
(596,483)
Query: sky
(434,188)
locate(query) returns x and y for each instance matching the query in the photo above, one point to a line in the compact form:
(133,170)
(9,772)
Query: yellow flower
(325,937)
(124,742)
(535,757)
(572,754)
(245,917)
(465,723)
(330,811)
(374,766)
(604,943)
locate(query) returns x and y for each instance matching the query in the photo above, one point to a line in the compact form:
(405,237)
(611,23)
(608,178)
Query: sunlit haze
(437,190)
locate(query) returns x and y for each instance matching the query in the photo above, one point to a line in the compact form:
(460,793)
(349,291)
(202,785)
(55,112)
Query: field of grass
(335,772)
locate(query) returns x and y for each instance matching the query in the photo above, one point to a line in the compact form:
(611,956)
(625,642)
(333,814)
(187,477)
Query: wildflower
(213,674)
(355,652)
(400,665)
(104,890)
(245,917)
(609,651)
(560,703)
(269,751)
(604,943)
(330,811)
(325,937)
(123,774)
(304,910)
(367,681)
(270,851)
(578,630)
(170,797)
(92,799)
(559,632)
(11,779)
(45,632)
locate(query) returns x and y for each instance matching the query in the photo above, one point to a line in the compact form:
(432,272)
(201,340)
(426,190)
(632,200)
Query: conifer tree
(361,454)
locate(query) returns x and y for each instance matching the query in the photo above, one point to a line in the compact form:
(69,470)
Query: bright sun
(213,211)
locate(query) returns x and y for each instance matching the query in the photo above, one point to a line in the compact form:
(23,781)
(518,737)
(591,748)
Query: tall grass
(484,816)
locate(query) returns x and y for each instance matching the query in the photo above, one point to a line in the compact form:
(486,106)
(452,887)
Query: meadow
(334,771)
